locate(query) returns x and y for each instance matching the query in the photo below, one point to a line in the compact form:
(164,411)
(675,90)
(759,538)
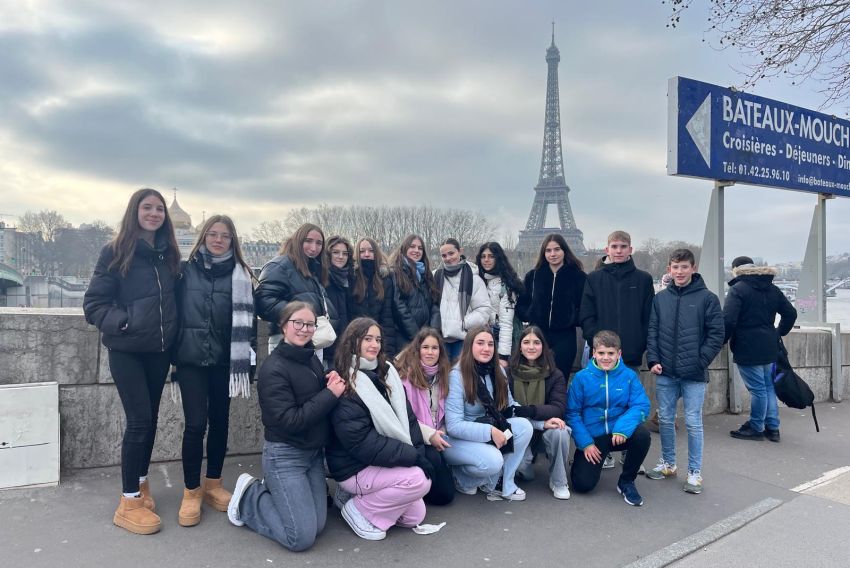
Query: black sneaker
(630,493)
(770,434)
(745,432)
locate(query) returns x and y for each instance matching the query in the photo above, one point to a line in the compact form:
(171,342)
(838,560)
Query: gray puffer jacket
(686,330)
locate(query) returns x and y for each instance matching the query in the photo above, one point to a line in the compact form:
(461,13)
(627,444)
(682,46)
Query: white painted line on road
(706,536)
(825,478)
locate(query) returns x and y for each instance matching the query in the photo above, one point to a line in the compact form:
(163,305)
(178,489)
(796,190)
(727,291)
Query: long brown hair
(546,358)
(234,240)
(347,356)
(123,245)
(469,374)
(407,283)
(570,259)
(377,282)
(294,249)
(410,364)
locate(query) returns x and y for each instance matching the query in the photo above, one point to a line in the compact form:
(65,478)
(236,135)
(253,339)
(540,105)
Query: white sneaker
(359,524)
(460,489)
(694,483)
(560,491)
(518,495)
(609,462)
(233,507)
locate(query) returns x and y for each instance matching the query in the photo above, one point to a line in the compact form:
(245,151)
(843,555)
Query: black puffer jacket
(296,405)
(685,330)
(750,312)
(413,311)
(552,299)
(340,296)
(356,444)
(206,313)
(618,297)
(379,310)
(280,283)
(143,300)
(556,396)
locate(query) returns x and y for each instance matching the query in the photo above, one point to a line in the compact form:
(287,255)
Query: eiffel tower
(551,188)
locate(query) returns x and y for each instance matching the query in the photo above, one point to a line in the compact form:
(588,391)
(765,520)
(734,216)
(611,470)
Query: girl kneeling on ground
(487,440)
(540,386)
(424,367)
(296,399)
(376,453)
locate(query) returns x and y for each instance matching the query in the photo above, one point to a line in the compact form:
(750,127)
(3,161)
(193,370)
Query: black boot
(770,434)
(745,432)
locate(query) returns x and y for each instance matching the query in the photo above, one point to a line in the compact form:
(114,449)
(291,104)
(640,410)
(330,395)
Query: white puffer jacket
(502,312)
(453,327)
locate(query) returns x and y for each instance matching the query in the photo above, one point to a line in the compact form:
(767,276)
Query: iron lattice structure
(551,187)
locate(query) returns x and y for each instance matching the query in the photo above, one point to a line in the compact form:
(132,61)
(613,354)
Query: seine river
(838,309)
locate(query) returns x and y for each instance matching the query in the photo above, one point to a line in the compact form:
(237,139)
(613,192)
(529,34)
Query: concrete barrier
(40,345)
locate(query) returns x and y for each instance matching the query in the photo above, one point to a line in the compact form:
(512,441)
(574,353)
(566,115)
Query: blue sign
(721,134)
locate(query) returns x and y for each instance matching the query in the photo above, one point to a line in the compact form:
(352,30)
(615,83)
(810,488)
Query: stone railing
(40,345)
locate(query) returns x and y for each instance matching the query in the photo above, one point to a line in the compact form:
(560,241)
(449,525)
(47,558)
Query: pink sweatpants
(389,496)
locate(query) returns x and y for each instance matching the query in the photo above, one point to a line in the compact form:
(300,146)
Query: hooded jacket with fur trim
(749,314)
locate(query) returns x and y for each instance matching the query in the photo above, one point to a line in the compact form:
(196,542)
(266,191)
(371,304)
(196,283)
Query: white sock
(143,478)
(132,495)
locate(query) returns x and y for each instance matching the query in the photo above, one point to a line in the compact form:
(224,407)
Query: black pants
(442,485)
(563,344)
(139,378)
(206,398)
(585,475)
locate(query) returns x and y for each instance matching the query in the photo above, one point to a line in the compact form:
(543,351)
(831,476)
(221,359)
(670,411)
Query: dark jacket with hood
(356,444)
(685,330)
(618,297)
(379,310)
(415,310)
(295,402)
(280,282)
(552,299)
(143,300)
(556,396)
(750,312)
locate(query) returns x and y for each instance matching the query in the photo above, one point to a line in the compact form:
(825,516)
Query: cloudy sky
(255,107)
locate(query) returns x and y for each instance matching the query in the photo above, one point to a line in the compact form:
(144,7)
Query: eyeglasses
(342,253)
(223,236)
(299,325)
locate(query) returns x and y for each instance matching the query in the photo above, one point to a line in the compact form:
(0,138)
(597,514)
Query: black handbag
(789,387)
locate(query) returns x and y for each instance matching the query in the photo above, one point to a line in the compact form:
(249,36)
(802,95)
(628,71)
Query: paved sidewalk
(70,525)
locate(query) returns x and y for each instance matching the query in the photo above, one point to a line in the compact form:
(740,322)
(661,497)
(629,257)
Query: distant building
(257,253)
(185,233)
(17,249)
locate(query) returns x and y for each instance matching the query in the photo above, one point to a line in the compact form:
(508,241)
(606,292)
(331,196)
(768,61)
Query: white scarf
(242,328)
(390,419)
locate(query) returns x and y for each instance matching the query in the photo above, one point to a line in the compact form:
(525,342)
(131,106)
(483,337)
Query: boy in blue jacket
(606,407)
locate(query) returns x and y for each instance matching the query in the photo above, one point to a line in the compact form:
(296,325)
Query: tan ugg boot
(190,508)
(133,516)
(145,491)
(215,495)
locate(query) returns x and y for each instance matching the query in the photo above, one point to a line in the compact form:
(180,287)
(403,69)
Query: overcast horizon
(254,109)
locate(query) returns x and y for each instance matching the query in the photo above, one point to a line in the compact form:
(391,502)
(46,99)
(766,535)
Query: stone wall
(57,345)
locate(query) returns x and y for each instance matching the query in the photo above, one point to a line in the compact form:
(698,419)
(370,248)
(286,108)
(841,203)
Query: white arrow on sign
(699,127)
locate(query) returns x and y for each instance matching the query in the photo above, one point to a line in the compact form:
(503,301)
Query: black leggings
(442,485)
(139,378)
(205,394)
(564,345)
(585,475)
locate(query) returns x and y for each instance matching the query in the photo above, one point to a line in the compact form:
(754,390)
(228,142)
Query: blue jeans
(476,464)
(453,349)
(764,410)
(290,504)
(668,390)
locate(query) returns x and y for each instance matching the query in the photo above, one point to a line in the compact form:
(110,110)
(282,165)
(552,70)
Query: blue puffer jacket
(600,403)
(686,330)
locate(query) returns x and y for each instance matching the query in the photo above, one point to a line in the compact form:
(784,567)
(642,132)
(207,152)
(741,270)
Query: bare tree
(44,226)
(270,232)
(799,39)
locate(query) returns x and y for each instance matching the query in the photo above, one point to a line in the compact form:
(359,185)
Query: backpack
(789,387)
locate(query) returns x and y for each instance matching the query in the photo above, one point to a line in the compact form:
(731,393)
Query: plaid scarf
(242,297)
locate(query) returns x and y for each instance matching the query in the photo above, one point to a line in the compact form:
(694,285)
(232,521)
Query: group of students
(427,384)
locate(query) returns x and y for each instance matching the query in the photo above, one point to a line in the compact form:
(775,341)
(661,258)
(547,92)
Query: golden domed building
(184,231)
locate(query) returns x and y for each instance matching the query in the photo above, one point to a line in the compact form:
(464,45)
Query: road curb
(711,533)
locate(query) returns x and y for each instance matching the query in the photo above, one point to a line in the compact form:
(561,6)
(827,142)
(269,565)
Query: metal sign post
(811,290)
(711,259)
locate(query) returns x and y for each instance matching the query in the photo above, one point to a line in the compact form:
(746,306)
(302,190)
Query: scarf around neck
(210,259)
(241,332)
(339,276)
(530,384)
(390,418)
(464,289)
